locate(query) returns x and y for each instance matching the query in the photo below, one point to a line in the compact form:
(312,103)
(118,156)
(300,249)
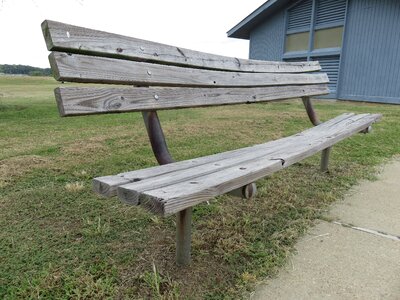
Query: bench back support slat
(94,100)
(82,68)
(74,39)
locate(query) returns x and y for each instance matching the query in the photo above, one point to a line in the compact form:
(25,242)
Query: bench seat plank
(82,68)
(75,39)
(93,100)
(107,185)
(169,190)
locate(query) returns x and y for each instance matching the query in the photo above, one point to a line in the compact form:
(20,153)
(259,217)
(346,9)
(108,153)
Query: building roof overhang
(242,29)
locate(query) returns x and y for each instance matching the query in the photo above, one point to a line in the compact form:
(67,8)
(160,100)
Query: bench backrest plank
(83,68)
(74,39)
(174,78)
(74,101)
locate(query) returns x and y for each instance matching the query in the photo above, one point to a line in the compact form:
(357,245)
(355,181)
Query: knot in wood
(116,105)
(112,104)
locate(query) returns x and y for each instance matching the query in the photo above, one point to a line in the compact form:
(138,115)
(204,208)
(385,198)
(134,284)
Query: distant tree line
(24,70)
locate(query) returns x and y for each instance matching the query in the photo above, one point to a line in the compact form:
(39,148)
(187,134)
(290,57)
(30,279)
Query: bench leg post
(183,236)
(248,191)
(325,159)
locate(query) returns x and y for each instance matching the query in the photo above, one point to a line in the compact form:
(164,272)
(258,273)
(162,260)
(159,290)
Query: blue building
(357,42)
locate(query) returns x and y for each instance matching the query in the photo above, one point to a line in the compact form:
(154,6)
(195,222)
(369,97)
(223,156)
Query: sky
(197,25)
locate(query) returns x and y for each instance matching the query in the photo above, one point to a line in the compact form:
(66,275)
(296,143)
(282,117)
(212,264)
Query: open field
(59,240)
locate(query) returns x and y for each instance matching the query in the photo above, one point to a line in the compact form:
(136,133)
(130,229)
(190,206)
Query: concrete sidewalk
(356,256)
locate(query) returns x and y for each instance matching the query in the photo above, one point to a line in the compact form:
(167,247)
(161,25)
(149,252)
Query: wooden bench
(158,76)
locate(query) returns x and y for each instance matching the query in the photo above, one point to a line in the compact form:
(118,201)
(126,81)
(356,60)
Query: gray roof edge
(241,30)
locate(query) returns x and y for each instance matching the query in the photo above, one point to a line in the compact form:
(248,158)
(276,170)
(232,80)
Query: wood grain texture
(107,185)
(74,39)
(93,100)
(82,68)
(173,198)
(166,191)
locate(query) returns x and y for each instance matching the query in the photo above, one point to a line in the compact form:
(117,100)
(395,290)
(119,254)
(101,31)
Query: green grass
(58,240)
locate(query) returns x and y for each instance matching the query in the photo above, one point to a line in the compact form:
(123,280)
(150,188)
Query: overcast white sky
(198,25)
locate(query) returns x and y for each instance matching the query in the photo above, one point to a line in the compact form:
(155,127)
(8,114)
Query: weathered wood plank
(173,198)
(160,181)
(301,141)
(107,185)
(210,186)
(74,39)
(93,100)
(81,68)
(227,160)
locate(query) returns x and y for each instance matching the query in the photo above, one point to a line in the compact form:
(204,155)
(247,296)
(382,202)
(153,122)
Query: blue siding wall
(266,41)
(330,65)
(370,67)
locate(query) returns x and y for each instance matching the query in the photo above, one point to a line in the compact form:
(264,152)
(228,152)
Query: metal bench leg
(248,191)
(315,121)
(325,159)
(367,130)
(183,236)
(184,218)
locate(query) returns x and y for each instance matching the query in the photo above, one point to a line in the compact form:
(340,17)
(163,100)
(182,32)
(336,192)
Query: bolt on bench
(153,76)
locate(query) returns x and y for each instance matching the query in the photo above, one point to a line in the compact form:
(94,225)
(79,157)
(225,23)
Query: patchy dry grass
(15,167)
(59,240)
(74,187)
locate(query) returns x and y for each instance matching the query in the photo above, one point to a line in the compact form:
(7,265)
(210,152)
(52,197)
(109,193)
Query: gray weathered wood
(93,100)
(301,150)
(107,185)
(223,181)
(206,169)
(171,198)
(74,39)
(81,68)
